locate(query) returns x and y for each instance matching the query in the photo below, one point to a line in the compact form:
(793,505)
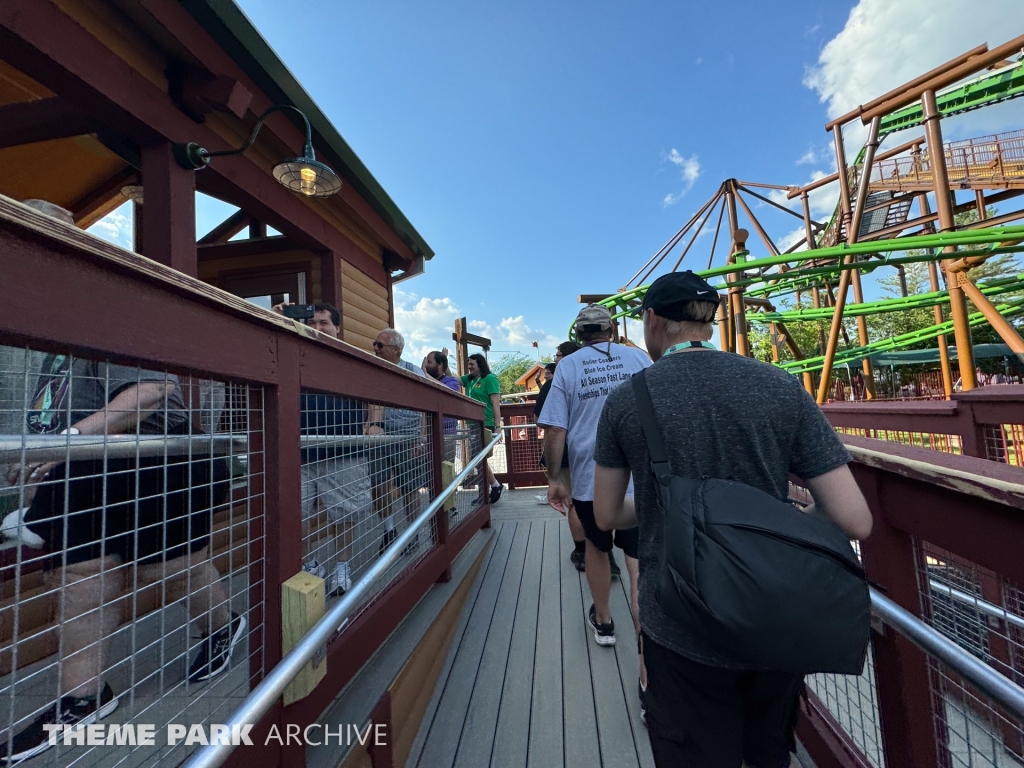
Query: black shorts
(707,717)
(625,540)
(143,511)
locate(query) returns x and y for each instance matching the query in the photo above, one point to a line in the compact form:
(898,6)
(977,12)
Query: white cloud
(516,333)
(790,239)
(885,44)
(809,158)
(427,324)
(689,171)
(116,227)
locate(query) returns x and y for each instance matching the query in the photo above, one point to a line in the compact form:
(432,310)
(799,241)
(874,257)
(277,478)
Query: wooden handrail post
(441,517)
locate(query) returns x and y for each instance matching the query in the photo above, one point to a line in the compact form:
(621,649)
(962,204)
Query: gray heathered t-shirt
(582,382)
(721,416)
(402,421)
(69,389)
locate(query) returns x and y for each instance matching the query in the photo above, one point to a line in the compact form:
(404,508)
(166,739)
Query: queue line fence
(270,454)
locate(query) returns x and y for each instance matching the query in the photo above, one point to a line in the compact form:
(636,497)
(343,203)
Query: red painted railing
(946,547)
(68,292)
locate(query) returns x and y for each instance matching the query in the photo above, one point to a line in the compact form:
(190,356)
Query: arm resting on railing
(131,406)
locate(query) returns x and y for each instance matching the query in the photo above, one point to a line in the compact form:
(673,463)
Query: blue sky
(547,149)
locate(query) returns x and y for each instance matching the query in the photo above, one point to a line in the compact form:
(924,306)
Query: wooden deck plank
(460,631)
(512,736)
(579,719)
(546,731)
(442,741)
(613,728)
(481,718)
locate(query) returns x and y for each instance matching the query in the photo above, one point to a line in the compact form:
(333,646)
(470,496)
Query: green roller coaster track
(783,275)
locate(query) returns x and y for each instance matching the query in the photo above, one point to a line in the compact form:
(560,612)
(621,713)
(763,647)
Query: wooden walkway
(525,684)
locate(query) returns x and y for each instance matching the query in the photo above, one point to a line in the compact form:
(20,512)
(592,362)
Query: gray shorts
(342,487)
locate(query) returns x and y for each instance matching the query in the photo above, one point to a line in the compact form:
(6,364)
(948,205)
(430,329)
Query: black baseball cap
(669,293)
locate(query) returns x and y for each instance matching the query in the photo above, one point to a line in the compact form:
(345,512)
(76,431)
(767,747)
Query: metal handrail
(977,603)
(262,697)
(979,674)
(89,447)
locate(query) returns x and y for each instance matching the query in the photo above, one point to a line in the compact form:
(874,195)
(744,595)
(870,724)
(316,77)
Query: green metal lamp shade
(307,176)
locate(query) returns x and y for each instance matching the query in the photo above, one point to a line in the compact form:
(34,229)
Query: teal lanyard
(687,345)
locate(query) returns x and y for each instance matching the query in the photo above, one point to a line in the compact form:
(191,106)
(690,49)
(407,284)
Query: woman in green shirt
(482,385)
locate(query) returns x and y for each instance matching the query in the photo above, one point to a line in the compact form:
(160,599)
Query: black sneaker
(578,559)
(603,633)
(387,540)
(496,492)
(215,651)
(70,710)
(616,573)
(643,707)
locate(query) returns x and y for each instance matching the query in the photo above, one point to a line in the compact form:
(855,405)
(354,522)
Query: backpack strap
(649,423)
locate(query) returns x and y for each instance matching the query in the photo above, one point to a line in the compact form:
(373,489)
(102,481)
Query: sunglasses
(378,345)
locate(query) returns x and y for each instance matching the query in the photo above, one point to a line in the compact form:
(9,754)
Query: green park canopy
(931,355)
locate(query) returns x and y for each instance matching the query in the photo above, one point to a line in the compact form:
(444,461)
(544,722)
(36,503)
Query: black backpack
(771,586)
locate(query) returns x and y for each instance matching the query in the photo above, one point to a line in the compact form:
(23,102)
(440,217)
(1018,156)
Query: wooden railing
(69,292)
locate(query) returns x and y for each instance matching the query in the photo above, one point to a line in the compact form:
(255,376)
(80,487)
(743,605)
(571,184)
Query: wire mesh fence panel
(853,702)
(525,442)
(980,612)
(935,441)
(461,446)
(131,571)
(971,731)
(367,473)
(1003,443)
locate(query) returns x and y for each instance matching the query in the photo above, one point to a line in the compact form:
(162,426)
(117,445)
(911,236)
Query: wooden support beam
(170,210)
(103,198)
(41,120)
(227,229)
(331,286)
(237,249)
(61,55)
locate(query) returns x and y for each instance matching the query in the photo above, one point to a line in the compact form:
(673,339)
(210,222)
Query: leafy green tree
(510,367)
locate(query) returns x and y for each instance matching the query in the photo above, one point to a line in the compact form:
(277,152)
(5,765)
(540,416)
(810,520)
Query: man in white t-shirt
(571,412)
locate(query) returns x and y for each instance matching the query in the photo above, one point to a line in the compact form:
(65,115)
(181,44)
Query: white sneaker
(13,527)
(542,498)
(315,568)
(341,581)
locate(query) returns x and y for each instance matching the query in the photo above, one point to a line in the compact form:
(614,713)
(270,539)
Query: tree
(510,367)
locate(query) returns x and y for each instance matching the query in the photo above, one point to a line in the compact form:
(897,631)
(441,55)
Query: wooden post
(169,233)
(1001,325)
(440,481)
(957,302)
(723,324)
(303,604)
(933,278)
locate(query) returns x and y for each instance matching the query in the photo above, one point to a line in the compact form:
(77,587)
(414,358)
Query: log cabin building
(94,96)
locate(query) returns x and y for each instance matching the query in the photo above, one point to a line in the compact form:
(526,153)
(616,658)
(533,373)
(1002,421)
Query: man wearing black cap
(721,416)
(582,382)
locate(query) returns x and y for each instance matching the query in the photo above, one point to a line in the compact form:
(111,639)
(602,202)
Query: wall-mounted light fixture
(305,175)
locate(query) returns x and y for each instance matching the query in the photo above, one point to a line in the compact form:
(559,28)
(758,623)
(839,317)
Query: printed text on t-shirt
(596,375)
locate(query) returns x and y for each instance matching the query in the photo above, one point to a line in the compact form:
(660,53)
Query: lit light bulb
(307,181)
